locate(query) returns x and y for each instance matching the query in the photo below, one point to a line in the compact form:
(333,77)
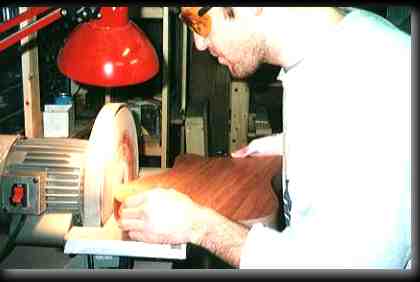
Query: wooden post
(165,89)
(184,83)
(31,89)
(239,108)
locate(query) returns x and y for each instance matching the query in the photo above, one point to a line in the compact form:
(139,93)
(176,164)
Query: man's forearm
(220,236)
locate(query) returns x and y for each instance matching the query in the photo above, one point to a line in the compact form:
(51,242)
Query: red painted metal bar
(33,27)
(29,14)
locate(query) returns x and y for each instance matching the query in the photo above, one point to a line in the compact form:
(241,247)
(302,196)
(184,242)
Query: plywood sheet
(240,189)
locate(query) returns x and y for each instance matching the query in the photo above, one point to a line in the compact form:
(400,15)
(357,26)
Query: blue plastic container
(63,99)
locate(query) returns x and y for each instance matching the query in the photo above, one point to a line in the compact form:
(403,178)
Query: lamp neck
(113,17)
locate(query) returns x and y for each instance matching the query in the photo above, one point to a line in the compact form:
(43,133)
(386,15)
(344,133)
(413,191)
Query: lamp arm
(31,28)
(27,15)
(79,14)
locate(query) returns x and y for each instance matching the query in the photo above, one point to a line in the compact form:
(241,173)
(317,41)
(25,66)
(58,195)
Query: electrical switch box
(23,194)
(18,197)
(196,127)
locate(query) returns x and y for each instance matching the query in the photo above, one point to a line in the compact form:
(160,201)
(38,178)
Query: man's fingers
(135,235)
(263,154)
(132,213)
(131,224)
(243,152)
(134,200)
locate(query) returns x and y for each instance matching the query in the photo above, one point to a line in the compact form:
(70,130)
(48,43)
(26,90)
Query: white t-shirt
(347,138)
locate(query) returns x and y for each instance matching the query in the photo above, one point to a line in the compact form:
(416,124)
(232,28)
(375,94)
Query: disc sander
(111,160)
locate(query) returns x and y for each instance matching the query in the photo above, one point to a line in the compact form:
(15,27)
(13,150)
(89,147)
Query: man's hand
(162,216)
(269,145)
(165,216)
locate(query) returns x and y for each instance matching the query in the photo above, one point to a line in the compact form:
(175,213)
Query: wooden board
(239,189)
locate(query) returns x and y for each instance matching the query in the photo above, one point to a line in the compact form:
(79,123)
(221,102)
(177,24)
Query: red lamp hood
(111,51)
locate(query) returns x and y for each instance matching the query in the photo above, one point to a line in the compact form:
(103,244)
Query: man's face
(233,40)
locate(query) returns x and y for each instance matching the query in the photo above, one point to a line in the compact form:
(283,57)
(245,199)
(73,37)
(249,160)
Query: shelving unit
(153,146)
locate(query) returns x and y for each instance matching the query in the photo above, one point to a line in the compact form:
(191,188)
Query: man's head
(229,34)
(244,37)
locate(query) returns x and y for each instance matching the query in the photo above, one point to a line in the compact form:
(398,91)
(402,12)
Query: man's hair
(229,12)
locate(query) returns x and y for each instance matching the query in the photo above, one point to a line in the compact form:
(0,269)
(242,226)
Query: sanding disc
(112,159)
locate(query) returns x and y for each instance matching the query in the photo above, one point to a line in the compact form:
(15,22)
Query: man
(346,141)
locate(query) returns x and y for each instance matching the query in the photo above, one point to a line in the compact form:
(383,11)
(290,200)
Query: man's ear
(259,11)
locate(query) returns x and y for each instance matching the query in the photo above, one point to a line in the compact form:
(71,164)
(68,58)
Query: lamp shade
(110,51)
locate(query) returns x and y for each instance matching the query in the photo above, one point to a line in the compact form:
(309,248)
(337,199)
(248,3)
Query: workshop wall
(11,112)
(49,41)
(210,80)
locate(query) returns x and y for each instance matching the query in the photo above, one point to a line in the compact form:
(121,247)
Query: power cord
(10,242)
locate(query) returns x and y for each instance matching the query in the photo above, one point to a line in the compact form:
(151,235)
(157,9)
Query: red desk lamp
(109,51)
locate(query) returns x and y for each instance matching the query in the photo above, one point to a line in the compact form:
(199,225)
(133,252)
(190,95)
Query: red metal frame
(53,16)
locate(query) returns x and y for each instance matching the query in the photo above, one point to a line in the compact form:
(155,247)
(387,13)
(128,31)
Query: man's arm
(220,236)
(166,216)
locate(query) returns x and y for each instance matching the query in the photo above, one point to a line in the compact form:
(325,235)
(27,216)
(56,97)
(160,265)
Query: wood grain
(239,189)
